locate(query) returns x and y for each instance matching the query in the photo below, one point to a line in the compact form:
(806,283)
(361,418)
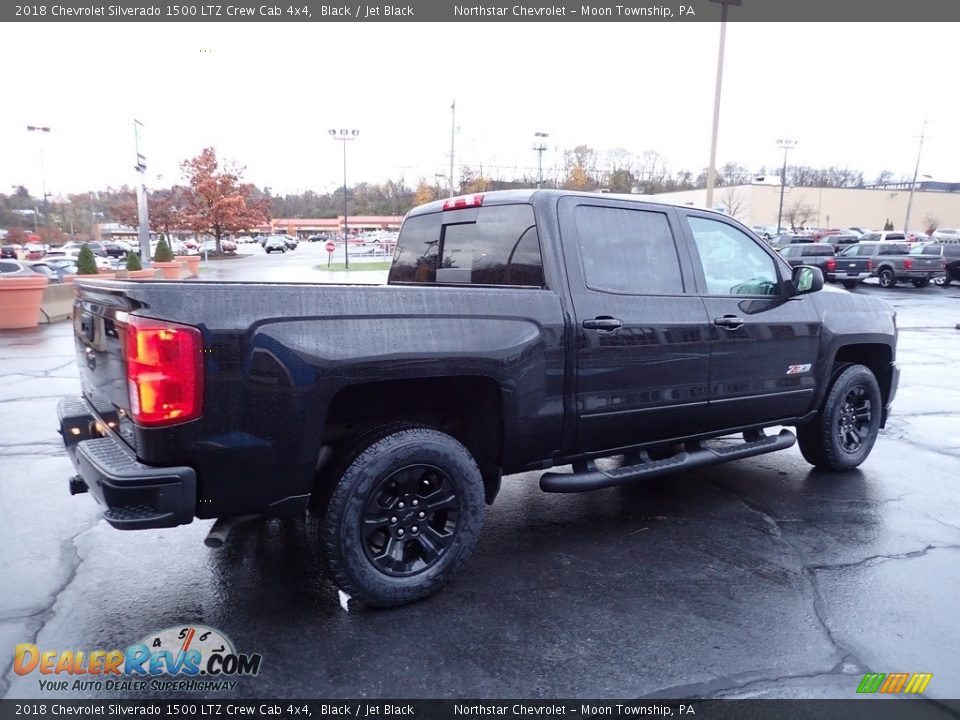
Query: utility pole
(539,148)
(453,134)
(913,185)
(712,168)
(786,146)
(143,213)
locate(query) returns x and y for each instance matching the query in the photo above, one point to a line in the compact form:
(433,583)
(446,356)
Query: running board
(589,477)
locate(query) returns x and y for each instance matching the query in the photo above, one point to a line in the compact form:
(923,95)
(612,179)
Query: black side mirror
(807,279)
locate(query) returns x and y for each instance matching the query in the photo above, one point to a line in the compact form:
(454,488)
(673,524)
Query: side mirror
(807,279)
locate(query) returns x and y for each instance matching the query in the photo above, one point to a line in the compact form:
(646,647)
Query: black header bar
(851,11)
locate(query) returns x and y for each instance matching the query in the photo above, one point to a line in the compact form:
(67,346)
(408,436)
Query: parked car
(275,243)
(840,242)
(392,412)
(96,247)
(948,234)
(821,233)
(8,252)
(859,231)
(115,250)
(291,242)
(950,253)
(55,269)
(819,255)
(23,268)
(781,241)
(319,237)
(889,262)
(884,236)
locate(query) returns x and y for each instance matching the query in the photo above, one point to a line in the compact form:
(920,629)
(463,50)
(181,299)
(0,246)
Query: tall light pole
(143,212)
(539,148)
(43,173)
(712,168)
(786,146)
(343,136)
(913,185)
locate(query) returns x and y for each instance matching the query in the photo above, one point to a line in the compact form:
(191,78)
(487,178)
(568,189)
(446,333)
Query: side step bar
(588,476)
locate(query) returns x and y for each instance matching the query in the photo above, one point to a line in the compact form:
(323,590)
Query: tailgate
(99,342)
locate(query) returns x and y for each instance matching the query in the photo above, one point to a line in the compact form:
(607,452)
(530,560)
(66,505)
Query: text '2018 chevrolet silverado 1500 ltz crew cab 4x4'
(518,331)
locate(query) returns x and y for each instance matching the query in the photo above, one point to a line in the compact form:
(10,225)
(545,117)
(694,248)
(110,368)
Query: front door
(642,337)
(764,344)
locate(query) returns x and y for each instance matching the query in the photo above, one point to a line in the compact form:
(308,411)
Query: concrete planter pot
(193,263)
(169,270)
(20,300)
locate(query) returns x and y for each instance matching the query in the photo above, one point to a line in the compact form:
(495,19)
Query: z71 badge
(797,369)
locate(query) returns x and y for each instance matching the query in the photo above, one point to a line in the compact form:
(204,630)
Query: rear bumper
(918,274)
(135,496)
(839,276)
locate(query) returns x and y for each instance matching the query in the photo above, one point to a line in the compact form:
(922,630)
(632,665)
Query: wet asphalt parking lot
(759,578)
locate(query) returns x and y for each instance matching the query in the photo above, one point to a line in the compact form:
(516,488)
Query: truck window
(499,246)
(733,262)
(627,251)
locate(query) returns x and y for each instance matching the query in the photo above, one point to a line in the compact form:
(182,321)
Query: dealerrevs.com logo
(180,658)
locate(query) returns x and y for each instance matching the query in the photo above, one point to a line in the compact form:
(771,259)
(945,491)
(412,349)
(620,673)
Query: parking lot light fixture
(712,167)
(42,129)
(786,146)
(344,135)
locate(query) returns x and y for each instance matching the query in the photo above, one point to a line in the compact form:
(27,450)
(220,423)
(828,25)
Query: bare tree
(734,203)
(930,223)
(884,177)
(797,213)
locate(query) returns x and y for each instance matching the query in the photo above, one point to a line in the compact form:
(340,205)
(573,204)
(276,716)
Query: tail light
(869,264)
(464,201)
(164,371)
(907,263)
(831,265)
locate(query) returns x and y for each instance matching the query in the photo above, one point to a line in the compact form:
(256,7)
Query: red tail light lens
(869,264)
(164,371)
(831,265)
(907,263)
(464,201)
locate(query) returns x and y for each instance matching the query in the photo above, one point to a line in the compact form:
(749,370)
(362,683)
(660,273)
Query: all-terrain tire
(386,467)
(843,433)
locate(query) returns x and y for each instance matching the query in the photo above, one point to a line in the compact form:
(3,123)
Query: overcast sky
(265,95)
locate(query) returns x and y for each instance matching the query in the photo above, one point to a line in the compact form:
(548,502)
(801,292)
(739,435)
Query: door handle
(604,323)
(728,322)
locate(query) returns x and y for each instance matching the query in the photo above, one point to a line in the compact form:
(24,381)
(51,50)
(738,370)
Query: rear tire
(942,281)
(843,433)
(921,282)
(888,278)
(404,514)
(850,284)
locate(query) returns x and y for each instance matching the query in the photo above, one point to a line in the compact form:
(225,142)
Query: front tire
(403,517)
(888,278)
(843,433)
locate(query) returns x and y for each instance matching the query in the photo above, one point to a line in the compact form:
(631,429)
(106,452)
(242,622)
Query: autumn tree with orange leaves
(164,210)
(216,202)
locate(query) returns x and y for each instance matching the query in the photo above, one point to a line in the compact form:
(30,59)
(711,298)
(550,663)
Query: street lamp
(43,172)
(344,136)
(712,169)
(786,146)
(539,148)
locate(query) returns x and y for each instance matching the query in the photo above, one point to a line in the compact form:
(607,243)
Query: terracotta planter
(146,274)
(68,278)
(20,300)
(169,270)
(193,263)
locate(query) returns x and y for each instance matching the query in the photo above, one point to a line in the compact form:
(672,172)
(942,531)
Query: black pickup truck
(518,331)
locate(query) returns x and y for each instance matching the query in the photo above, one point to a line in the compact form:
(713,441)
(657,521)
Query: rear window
(894,249)
(926,250)
(494,245)
(817,250)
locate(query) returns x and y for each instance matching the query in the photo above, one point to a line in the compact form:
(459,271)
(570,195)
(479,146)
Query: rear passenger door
(764,344)
(642,340)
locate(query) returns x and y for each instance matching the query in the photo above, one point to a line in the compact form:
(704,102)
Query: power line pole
(453,134)
(539,148)
(913,185)
(786,146)
(712,169)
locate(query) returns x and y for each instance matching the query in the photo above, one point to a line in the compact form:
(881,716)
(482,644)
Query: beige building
(832,207)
